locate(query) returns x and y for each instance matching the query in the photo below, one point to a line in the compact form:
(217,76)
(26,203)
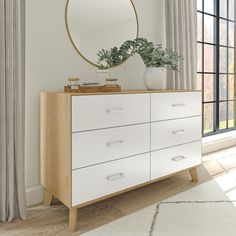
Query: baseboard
(34,195)
(216,144)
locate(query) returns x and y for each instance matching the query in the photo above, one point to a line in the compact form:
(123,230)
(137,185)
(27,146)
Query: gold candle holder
(111,82)
(73,83)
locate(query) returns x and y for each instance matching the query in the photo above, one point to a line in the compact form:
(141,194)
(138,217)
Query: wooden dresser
(95,146)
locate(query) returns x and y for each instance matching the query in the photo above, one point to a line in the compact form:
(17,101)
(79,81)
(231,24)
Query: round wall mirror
(102,24)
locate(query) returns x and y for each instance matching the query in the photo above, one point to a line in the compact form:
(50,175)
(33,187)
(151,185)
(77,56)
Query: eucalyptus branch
(151,54)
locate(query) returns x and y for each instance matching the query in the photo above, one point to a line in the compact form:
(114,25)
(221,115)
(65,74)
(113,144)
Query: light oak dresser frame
(56,151)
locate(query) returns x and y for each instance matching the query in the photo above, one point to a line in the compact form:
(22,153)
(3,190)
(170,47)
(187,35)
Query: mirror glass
(101,24)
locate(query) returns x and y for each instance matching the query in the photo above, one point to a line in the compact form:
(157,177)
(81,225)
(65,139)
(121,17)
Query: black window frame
(216,73)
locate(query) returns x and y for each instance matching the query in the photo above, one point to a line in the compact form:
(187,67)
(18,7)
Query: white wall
(51,59)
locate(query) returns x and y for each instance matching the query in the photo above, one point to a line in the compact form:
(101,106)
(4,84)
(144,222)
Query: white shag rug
(208,209)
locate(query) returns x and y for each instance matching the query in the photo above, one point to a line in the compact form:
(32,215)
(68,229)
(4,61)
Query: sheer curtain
(181,36)
(12,110)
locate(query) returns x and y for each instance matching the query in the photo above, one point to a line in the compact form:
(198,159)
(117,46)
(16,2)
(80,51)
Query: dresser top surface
(125,92)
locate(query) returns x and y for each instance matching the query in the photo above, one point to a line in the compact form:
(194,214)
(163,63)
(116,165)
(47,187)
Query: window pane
(207,63)
(231,87)
(209,29)
(199,57)
(199,26)
(223,32)
(223,87)
(231,34)
(231,115)
(208,118)
(209,6)
(231,60)
(208,88)
(223,60)
(231,9)
(209,58)
(223,115)
(199,82)
(199,5)
(223,8)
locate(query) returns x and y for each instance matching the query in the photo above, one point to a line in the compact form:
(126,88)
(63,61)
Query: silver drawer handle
(115,176)
(110,144)
(178,158)
(115,110)
(178,105)
(177,132)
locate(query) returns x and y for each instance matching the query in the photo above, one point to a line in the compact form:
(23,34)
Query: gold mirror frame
(68,31)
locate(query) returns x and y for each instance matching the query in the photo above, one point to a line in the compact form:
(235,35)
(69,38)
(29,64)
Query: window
(216,64)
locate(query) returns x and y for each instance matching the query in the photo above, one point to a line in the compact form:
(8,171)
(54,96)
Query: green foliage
(151,54)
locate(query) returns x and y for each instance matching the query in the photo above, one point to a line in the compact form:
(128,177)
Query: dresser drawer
(174,132)
(102,111)
(97,146)
(166,106)
(100,180)
(171,160)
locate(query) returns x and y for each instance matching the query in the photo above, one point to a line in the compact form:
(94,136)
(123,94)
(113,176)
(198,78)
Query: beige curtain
(12,93)
(181,36)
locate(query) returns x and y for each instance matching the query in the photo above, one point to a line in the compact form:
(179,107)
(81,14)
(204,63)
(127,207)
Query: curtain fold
(181,36)
(12,110)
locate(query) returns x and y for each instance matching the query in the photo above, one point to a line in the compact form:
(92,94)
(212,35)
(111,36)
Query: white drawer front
(101,111)
(171,160)
(97,146)
(100,180)
(174,132)
(166,106)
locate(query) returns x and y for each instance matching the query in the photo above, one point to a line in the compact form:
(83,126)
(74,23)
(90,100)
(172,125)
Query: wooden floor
(54,220)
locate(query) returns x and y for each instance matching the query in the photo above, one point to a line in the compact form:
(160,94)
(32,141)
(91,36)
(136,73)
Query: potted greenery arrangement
(155,58)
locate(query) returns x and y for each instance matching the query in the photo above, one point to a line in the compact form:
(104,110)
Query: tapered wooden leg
(193,173)
(73,219)
(47,198)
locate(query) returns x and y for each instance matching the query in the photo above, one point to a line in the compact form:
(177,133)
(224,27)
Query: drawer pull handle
(115,176)
(178,105)
(115,110)
(115,143)
(177,132)
(178,158)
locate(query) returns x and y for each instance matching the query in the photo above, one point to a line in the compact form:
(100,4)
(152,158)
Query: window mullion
(234,64)
(217,68)
(203,75)
(227,61)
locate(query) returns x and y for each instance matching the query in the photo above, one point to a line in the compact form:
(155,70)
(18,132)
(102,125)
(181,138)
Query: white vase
(102,76)
(155,78)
